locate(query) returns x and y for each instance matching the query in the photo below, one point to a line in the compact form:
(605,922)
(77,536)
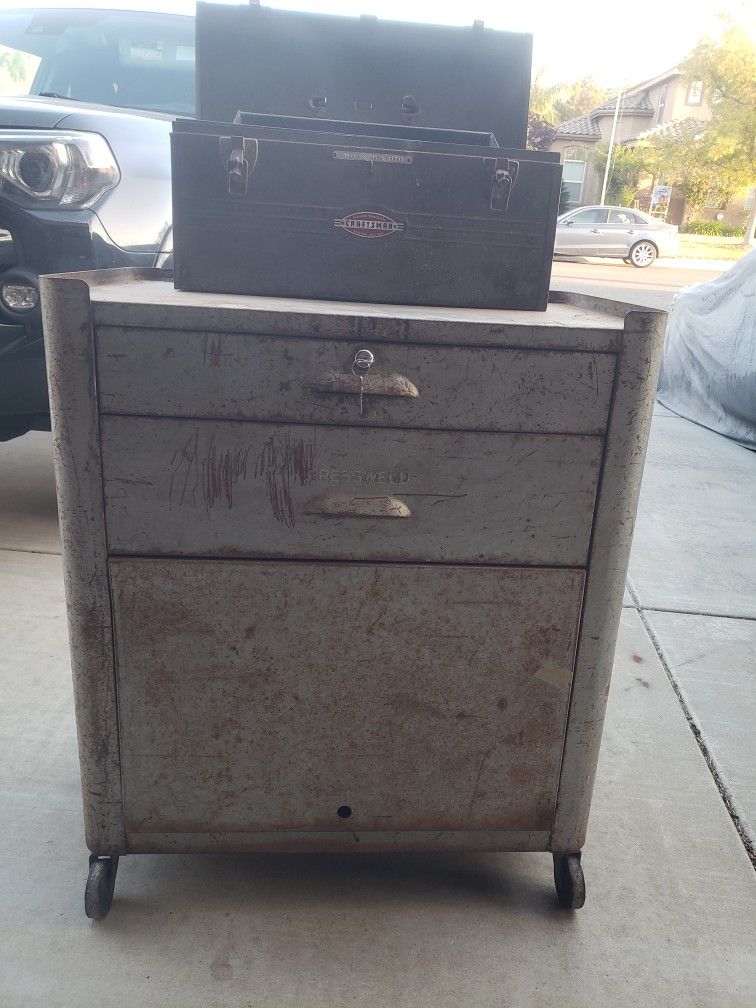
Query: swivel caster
(569,881)
(98,895)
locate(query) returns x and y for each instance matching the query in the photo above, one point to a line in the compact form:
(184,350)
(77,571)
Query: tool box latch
(503,173)
(239,155)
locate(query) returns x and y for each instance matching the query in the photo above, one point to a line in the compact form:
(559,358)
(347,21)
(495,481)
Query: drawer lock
(343,382)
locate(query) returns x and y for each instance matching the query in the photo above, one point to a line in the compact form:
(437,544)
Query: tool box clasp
(503,173)
(239,155)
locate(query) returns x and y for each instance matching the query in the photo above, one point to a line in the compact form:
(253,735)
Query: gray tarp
(708,369)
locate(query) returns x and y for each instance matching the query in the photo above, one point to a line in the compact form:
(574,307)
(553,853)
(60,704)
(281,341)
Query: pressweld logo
(366,224)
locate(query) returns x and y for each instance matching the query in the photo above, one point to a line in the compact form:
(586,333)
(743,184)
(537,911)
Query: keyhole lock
(363,361)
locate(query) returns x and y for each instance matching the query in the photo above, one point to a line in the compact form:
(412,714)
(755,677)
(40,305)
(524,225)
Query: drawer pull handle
(341,383)
(353,506)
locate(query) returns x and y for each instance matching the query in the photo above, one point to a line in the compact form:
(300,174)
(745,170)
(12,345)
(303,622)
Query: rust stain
(554,675)
(284,461)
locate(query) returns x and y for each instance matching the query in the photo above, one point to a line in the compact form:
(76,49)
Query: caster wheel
(569,881)
(98,895)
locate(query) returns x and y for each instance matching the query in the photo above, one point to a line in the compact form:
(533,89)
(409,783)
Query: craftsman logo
(366,224)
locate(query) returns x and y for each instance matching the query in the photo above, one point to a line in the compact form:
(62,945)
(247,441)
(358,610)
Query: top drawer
(233,376)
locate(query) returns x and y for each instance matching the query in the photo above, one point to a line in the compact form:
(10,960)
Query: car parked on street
(615,233)
(85,170)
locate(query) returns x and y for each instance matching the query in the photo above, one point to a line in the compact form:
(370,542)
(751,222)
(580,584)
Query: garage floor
(671,907)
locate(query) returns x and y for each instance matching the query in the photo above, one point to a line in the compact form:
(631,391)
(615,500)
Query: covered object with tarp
(708,371)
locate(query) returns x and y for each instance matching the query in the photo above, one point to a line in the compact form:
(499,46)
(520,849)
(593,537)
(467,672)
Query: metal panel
(206,374)
(262,60)
(627,437)
(289,213)
(280,695)
(220,488)
(76,447)
(146,298)
(346,841)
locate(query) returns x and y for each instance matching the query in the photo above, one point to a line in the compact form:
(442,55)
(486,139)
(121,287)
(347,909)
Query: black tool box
(423,216)
(361,69)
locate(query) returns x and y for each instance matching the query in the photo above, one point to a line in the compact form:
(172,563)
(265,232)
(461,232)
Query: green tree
(542,98)
(693,166)
(625,170)
(13,64)
(578,98)
(727,67)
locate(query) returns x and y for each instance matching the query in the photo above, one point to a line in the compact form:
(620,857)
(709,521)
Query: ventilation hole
(317,102)
(343,811)
(409,105)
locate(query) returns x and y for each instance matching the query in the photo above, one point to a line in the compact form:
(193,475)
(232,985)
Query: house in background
(666,105)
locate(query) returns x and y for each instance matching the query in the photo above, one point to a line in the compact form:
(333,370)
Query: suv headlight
(55,169)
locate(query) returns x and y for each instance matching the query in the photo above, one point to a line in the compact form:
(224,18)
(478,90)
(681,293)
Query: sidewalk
(671,892)
(715,265)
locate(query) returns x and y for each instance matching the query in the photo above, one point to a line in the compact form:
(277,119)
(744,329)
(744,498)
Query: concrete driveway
(671,906)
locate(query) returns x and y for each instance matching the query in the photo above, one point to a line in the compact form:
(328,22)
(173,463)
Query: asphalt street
(652,287)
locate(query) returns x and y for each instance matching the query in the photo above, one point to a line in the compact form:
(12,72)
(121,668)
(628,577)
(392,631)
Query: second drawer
(213,488)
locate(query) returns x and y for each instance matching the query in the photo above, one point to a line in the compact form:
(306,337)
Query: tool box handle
(345,383)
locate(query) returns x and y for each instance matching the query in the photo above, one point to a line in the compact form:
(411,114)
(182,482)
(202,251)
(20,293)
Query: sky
(611,41)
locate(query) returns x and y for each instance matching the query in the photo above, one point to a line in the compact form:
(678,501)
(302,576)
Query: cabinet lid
(362,69)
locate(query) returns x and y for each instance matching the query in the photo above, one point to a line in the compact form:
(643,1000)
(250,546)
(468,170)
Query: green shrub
(712,227)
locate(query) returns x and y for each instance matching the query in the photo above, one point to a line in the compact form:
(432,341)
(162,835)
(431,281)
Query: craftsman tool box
(361,69)
(420,216)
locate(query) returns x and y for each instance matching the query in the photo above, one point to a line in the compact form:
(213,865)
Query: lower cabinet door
(273,695)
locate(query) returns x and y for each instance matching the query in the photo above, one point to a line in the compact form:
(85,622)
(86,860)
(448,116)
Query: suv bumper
(32,243)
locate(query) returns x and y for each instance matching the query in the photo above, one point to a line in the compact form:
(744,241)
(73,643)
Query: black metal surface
(361,69)
(262,210)
(364,129)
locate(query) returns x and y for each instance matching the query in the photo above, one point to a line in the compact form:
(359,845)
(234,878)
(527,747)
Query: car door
(619,232)
(578,232)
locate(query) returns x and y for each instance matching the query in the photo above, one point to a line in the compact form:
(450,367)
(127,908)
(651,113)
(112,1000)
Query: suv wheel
(642,254)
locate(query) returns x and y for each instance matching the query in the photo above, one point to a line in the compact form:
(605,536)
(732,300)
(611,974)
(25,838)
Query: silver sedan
(614,232)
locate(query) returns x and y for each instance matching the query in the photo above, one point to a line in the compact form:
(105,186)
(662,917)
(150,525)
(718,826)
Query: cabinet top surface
(162,294)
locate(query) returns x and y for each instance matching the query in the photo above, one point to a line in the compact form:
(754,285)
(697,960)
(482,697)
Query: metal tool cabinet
(341,577)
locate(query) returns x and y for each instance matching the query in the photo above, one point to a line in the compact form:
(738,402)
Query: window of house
(660,107)
(695,93)
(573,172)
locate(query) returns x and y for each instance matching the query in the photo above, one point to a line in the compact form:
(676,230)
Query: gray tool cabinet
(341,577)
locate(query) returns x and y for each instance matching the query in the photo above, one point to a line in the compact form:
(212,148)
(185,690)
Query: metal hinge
(239,155)
(503,174)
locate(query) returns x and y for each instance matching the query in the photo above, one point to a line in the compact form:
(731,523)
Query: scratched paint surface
(220,488)
(266,695)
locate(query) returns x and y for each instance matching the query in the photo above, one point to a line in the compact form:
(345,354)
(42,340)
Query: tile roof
(583,126)
(586,126)
(675,129)
(628,103)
